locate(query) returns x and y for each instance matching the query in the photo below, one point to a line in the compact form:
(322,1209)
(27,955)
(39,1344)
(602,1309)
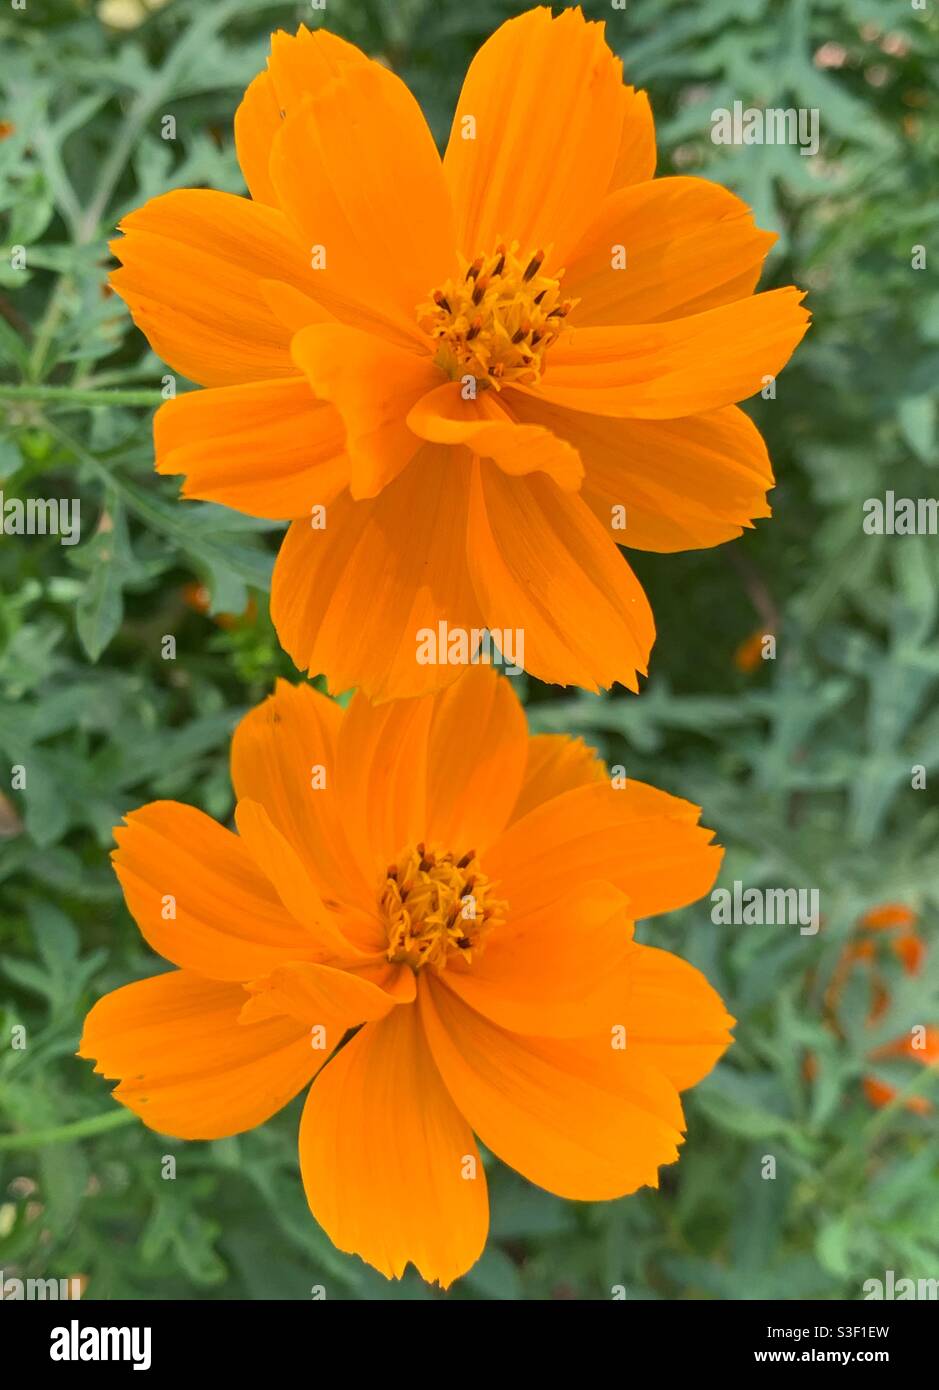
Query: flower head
(490,370)
(893,928)
(898,922)
(429,916)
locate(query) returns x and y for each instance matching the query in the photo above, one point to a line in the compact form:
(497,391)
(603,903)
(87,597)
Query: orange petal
(580,1118)
(319,997)
(356,170)
(267,448)
(536,133)
(879,1093)
(486,428)
(476,760)
(354,599)
(198,897)
(889,915)
(910,950)
(556,764)
(286,869)
(444,769)
(397,980)
(543,565)
(192,264)
(292,307)
(382,779)
(674,1019)
(688,245)
(658,371)
(284,757)
(257,121)
(642,840)
(390,1168)
(186,1065)
(298,64)
(635,158)
(558,972)
(667,484)
(373,385)
(301,64)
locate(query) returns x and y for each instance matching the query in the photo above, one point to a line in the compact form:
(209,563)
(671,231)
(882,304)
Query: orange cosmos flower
(491,370)
(197,597)
(905,943)
(462,896)
(749,653)
(889,915)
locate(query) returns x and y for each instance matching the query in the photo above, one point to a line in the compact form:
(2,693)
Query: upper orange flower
(466,894)
(490,370)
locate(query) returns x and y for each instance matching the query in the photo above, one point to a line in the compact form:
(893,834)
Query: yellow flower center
(498,319)
(435,905)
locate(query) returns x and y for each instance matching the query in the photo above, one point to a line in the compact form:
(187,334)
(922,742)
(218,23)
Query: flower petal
(186,1065)
(542,564)
(373,385)
(285,868)
(556,764)
(636,837)
(476,760)
(299,63)
(257,121)
(317,996)
(488,430)
(381,779)
(198,897)
(636,156)
(267,448)
(667,484)
(558,972)
(284,756)
(662,370)
(356,170)
(390,1167)
(192,262)
(578,1117)
(536,134)
(352,600)
(674,1019)
(688,245)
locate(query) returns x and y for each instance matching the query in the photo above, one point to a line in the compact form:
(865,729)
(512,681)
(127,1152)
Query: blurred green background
(802,764)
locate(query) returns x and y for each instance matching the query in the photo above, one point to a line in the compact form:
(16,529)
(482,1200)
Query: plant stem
(64,1134)
(72,395)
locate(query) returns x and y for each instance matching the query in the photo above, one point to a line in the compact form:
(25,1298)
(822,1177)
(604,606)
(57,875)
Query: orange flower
(749,653)
(889,915)
(197,597)
(490,370)
(909,948)
(440,909)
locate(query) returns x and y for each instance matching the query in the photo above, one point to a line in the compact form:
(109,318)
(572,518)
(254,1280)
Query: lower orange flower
(899,921)
(910,950)
(429,915)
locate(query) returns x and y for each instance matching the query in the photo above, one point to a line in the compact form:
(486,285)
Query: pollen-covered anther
(496,320)
(435,905)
